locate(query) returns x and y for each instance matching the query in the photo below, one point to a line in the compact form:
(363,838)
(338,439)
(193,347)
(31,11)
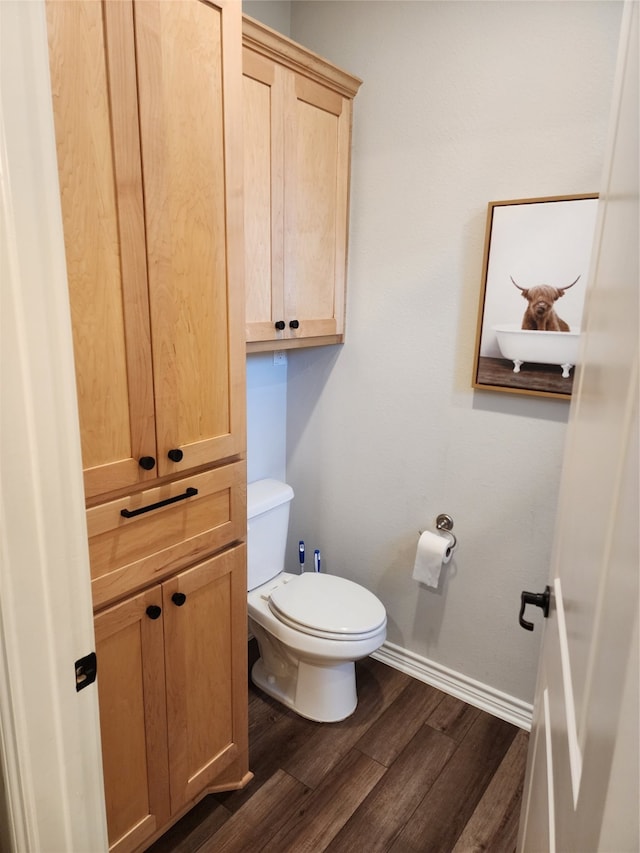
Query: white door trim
(50,756)
(575,753)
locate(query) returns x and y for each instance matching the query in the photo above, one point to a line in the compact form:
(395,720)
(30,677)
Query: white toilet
(310,627)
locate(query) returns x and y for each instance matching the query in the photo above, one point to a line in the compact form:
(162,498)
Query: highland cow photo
(536,268)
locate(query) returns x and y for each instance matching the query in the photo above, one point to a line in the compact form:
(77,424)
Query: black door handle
(178,598)
(153,611)
(540,599)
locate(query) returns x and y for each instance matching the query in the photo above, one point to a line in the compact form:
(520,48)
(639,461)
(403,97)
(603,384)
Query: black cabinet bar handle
(129,513)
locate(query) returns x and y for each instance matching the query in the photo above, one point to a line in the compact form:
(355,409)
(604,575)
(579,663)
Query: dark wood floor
(411,770)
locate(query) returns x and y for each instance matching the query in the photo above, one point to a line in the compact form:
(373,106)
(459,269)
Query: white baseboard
(461,686)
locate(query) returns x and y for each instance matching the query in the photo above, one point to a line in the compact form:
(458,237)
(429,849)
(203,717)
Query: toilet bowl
(310,628)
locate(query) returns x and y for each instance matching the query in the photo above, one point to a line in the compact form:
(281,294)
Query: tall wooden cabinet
(297,138)
(146,97)
(154,265)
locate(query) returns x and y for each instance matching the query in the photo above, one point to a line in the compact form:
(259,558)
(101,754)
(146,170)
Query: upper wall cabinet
(297,137)
(145,122)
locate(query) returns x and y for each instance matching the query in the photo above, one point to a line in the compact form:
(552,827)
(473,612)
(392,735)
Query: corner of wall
(274,13)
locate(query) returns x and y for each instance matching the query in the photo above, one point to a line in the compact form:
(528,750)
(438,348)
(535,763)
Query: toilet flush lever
(540,599)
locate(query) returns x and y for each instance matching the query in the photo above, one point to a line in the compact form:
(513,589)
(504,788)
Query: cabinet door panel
(317,131)
(129,647)
(263,195)
(193,200)
(95,113)
(206,672)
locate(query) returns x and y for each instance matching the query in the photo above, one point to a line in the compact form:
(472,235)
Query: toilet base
(325,694)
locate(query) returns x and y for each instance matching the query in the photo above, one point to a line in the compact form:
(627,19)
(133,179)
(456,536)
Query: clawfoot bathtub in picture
(524,345)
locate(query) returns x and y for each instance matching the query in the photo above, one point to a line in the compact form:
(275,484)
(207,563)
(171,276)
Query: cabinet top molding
(275,46)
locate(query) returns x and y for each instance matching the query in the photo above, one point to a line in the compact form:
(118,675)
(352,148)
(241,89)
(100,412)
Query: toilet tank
(268,521)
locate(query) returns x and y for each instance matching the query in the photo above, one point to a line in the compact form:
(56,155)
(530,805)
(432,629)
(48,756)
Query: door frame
(51,792)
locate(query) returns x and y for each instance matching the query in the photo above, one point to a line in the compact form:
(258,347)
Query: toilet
(310,627)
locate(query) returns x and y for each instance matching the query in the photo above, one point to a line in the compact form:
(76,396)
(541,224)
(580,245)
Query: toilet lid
(327,606)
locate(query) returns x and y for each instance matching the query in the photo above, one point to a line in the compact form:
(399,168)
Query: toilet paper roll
(434,552)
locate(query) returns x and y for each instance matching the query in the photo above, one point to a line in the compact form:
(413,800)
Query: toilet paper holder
(444,523)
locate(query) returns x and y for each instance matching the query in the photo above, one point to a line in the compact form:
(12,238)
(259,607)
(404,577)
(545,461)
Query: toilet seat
(327,606)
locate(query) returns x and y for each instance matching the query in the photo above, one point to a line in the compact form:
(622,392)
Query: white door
(581,789)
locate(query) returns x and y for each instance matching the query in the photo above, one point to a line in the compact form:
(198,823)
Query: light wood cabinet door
(93,80)
(133,723)
(146,101)
(263,105)
(172,686)
(316,190)
(189,89)
(297,136)
(206,671)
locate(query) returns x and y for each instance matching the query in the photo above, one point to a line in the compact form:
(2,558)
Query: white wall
(266,418)
(274,13)
(462,104)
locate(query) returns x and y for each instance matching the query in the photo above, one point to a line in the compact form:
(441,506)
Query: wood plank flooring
(412,770)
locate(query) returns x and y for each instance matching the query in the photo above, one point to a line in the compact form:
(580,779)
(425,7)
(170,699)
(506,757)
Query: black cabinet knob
(175,455)
(178,598)
(279,324)
(147,462)
(153,611)
(294,324)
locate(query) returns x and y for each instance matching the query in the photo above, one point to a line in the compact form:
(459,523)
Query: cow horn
(568,286)
(524,288)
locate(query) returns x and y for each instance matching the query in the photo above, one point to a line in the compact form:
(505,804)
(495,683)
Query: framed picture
(535,272)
